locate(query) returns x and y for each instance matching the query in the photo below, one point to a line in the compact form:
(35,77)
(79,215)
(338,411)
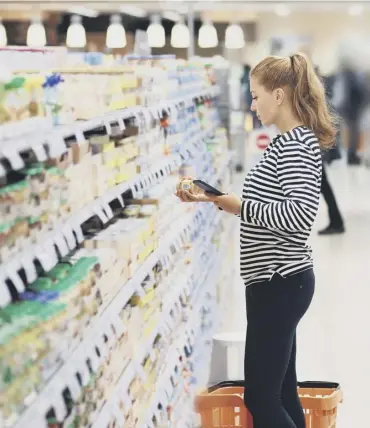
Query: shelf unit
(106,326)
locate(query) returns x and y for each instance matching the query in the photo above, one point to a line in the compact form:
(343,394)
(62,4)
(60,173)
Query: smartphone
(207,188)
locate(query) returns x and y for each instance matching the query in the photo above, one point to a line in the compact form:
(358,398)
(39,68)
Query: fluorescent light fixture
(156,33)
(282,10)
(76,34)
(36,36)
(356,9)
(138,12)
(171,15)
(207,35)
(180,35)
(3,36)
(83,11)
(116,34)
(234,37)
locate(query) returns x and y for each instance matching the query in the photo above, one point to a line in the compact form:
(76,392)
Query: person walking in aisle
(277,209)
(336,223)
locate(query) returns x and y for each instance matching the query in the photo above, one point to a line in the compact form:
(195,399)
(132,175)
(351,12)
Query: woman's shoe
(332,230)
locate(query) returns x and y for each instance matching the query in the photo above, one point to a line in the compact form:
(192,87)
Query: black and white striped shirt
(279,204)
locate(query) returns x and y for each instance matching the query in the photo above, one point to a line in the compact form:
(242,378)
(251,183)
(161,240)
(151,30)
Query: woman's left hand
(230,203)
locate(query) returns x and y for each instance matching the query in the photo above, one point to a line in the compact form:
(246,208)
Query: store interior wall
(325,29)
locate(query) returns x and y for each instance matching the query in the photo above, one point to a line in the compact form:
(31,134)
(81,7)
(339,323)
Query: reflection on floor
(334,336)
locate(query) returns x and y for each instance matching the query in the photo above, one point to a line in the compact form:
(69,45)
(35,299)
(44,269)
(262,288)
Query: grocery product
(111,284)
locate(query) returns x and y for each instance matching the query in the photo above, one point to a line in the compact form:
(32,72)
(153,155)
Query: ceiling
(217,9)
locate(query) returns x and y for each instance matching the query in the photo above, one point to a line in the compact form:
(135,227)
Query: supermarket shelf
(173,353)
(66,375)
(127,376)
(68,234)
(52,143)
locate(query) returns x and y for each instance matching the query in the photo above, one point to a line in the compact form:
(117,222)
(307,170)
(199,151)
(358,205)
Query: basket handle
(319,384)
(226,384)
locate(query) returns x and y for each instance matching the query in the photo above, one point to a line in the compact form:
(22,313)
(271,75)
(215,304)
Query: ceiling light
(180,35)
(36,36)
(282,10)
(83,11)
(76,35)
(156,33)
(356,9)
(207,35)
(116,34)
(234,37)
(3,36)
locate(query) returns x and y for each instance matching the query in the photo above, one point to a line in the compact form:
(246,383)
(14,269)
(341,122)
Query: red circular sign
(262,141)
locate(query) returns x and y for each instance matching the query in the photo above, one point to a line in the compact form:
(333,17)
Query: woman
(277,209)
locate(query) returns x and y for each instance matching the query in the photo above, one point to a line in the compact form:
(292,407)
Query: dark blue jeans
(274,309)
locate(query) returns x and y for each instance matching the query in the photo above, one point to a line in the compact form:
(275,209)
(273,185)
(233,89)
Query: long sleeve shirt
(280,201)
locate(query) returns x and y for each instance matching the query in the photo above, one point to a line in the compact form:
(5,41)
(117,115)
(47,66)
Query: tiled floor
(334,336)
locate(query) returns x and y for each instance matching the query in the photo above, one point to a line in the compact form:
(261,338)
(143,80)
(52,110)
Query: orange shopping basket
(222,405)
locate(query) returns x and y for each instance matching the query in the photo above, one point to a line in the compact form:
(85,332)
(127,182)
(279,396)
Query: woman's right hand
(194,195)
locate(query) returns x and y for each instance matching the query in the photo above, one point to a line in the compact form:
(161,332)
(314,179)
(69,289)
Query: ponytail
(309,102)
(307,93)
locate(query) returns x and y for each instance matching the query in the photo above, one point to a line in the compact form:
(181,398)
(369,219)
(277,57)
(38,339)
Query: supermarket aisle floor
(334,341)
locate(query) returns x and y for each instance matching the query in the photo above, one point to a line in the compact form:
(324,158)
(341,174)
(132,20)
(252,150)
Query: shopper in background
(336,223)
(350,96)
(278,207)
(245,81)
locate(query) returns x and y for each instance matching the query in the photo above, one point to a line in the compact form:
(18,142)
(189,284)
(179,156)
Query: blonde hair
(307,92)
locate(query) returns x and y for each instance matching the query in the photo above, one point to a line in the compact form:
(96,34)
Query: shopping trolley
(222,405)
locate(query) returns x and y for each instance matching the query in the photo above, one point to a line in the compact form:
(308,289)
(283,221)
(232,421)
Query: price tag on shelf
(79,234)
(82,368)
(117,413)
(11,271)
(72,382)
(98,210)
(108,127)
(121,123)
(5,297)
(57,145)
(40,152)
(118,325)
(61,244)
(80,136)
(36,413)
(14,158)
(108,211)
(69,236)
(29,268)
(49,249)
(102,346)
(94,360)
(55,397)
